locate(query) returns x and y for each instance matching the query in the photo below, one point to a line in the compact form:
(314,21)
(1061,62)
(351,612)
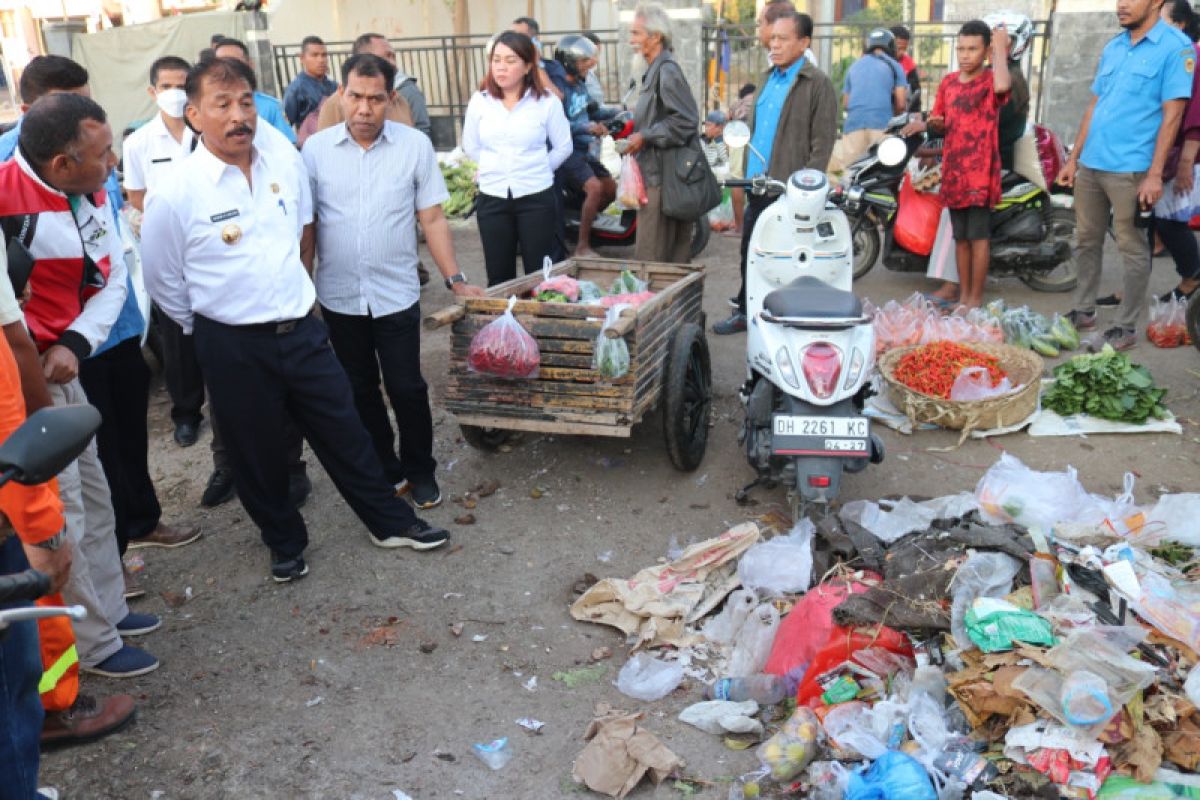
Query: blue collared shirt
(767,110)
(130,322)
(1132,83)
(271,110)
(304,96)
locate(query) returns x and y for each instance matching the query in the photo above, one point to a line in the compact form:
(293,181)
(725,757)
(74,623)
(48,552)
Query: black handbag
(689,188)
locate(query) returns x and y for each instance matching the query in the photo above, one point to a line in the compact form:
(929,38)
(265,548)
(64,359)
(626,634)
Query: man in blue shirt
(269,109)
(305,93)
(794,124)
(1140,92)
(874,91)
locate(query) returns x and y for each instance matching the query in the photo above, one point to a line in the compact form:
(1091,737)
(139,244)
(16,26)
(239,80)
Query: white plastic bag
(974,383)
(981,575)
(753,646)
(1191,687)
(1175,518)
(722,716)
(867,730)
(646,678)
(610,355)
(782,565)
(1012,492)
(902,517)
(724,627)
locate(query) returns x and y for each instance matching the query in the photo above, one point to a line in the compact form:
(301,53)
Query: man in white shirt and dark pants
(229,239)
(371,179)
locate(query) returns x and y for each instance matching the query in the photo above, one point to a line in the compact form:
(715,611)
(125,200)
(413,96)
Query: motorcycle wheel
(700,236)
(687,397)
(1193,319)
(1061,222)
(866,248)
(485,439)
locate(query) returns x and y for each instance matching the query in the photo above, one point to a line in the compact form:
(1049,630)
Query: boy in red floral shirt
(967,113)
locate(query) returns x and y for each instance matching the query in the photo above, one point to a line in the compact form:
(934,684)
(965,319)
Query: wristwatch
(457,277)
(54,542)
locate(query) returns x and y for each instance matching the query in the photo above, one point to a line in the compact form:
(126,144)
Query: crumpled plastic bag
(1012,492)
(1175,518)
(722,716)
(753,646)
(902,517)
(974,383)
(994,625)
(610,355)
(981,575)
(724,627)
(893,776)
(645,677)
(782,565)
(868,731)
(504,349)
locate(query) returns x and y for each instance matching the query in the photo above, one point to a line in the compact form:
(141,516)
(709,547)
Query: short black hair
(309,40)
(238,43)
(221,70)
(51,125)
(216,37)
(167,63)
(802,21)
(207,54)
(530,23)
(368,65)
(746,90)
(364,41)
(50,73)
(977,27)
(901,32)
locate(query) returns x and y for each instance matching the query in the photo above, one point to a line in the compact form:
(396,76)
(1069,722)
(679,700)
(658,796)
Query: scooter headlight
(857,362)
(783,360)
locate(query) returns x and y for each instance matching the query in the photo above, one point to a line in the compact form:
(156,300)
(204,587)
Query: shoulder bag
(689,188)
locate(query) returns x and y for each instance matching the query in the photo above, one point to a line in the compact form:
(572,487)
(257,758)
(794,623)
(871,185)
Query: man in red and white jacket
(53,203)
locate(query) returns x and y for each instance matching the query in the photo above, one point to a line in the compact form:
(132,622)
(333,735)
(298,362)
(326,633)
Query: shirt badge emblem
(275,188)
(231,234)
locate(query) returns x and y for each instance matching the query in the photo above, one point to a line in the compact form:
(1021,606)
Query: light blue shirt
(271,110)
(767,110)
(1131,85)
(869,83)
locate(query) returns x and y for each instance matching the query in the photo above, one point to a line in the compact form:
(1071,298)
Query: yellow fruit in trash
(807,732)
(773,752)
(797,753)
(910,748)
(783,772)
(751,790)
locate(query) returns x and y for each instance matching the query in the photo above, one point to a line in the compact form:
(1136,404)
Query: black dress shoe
(219,489)
(187,433)
(299,488)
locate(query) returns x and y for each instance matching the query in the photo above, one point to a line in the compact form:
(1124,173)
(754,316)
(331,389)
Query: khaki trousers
(851,146)
(659,237)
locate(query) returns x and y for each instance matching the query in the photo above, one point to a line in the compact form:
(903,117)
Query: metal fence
(449,69)
(836,46)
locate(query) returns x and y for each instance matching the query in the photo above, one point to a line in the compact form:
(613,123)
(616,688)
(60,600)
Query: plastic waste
(628,283)
(1191,687)
(981,575)
(826,780)
(766,690)
(793,747)
(750,785)
(893,776)
(631,191)
(753,645)
(782,565)
(589,293)
(965,766)
(556,288)
(974,383)
(806,629)
(928,680)
(504,349)
(646,678)
(995,625)
(1043,574)
(902,517)
(1085,698)
(868,731)
(1173,518)
(842,647)
(724,627)
(495,753)
(1012,492)
(722,716)
(1168,785)
(928,726)
(610,355)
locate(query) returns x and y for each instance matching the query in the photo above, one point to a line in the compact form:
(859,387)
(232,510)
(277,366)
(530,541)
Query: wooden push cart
(669,362)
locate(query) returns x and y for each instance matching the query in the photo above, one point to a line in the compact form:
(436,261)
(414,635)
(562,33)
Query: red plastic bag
(807,627)
(842,645)
(631,190)
(917,219)
(504,349)
(1051,153)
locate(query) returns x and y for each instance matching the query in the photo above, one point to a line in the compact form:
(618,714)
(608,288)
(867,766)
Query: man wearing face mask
(153,148)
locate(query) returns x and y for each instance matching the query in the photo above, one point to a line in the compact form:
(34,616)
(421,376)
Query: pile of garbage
(1029,639)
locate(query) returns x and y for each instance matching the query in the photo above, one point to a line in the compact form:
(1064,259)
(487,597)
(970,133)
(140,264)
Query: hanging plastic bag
(753,645)
(917,219)
(610,355)
(1051,153)
(646,678)
(631,191)
(782,565)
(721,217)
(556,288)
(504,349)
(974,383)
(893,776)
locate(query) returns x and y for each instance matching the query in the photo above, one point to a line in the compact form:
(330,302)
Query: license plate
(821,436)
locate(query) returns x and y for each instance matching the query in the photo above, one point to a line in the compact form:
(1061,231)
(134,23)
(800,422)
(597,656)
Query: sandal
(942,303)
(1109,300)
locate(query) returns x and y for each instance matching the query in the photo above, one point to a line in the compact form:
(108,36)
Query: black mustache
(239,130)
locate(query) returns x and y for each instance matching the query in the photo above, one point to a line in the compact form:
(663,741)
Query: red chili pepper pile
(933,368)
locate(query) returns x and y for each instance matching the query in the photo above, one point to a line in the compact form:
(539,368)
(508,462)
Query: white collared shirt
(366,203)
(510,146)
(215,246)
(149,153)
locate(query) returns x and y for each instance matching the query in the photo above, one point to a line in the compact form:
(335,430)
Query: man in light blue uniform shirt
(269,109)
(874,91)
(1140,92)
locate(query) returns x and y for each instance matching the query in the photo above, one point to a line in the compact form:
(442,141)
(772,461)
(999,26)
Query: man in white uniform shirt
(229,240)
(370,180)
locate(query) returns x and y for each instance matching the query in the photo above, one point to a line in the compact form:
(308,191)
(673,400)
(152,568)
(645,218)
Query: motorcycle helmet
(572,49)
(881,37)
(1019,27)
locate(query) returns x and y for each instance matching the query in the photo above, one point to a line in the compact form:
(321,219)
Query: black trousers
(506,223)
(755,205)
(293,447)
(181,371)
(367,345)
(259,377)
(117,382)
(1180,241)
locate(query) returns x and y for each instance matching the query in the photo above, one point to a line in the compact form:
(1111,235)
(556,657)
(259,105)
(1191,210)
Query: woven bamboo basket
(1023,367)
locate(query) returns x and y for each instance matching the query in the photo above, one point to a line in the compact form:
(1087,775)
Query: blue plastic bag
(893,776)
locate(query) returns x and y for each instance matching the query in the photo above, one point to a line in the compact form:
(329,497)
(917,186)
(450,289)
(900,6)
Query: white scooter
(809,347)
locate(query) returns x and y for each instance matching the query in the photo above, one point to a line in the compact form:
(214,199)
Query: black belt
(276,328)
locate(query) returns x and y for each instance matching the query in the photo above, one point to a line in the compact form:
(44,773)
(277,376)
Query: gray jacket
(406,87)
(665,115)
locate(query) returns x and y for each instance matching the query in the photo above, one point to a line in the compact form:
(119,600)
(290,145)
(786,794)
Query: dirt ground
(350,683)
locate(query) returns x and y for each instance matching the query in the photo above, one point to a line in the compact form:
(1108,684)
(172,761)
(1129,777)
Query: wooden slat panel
(546,426)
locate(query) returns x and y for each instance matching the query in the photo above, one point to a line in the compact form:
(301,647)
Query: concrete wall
(962,10)
(1077,37)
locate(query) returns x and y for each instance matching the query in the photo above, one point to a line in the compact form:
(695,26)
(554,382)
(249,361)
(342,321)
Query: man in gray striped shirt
(371,180)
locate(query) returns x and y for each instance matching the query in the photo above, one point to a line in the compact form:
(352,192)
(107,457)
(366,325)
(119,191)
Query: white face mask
(172,102)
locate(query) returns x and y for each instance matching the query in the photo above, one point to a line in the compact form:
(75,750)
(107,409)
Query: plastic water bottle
(766,690)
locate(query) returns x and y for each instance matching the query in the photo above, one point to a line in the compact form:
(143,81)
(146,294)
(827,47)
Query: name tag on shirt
(166,160)
(224,215)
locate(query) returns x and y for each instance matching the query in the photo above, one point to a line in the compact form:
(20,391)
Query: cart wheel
(486,439)
(687,397)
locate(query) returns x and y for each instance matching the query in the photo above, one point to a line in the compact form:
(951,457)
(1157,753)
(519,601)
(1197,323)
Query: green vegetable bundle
(1106,385)
(460,182)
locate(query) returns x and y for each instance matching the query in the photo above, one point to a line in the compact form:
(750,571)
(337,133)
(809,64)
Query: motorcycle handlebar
(757,185)
(23,586)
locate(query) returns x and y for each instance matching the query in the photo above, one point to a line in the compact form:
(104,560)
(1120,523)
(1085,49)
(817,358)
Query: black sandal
(1109,300)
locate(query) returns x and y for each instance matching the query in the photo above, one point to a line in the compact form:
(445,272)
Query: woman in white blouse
(509,123)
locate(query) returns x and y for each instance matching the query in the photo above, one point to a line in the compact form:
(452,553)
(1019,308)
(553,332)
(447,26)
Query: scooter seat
(812,297)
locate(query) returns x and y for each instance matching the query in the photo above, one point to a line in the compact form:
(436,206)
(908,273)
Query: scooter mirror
(892,151)
(46,443)
(737,134)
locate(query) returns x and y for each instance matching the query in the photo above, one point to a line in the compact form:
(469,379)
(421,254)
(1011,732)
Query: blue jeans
(20,704)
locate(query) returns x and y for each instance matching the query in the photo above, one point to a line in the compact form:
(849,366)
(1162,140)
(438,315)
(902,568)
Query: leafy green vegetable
(1105,385)
(460,182)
